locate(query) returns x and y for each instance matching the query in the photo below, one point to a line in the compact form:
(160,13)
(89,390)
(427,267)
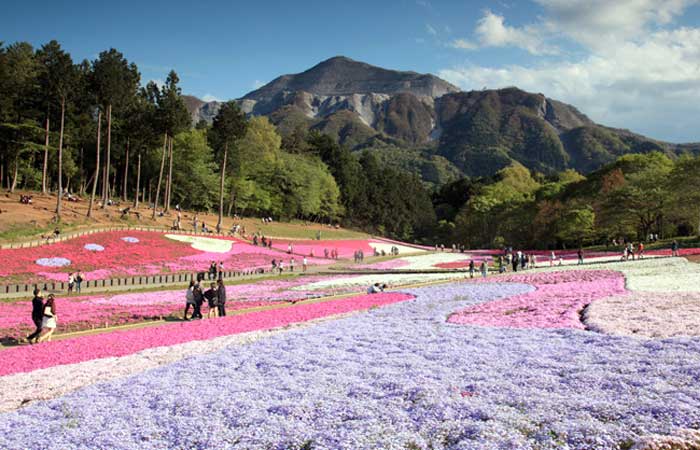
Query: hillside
(472,133)
(19,222)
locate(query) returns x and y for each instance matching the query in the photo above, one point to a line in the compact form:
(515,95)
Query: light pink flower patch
(304,247)
(120,343)
(556,302)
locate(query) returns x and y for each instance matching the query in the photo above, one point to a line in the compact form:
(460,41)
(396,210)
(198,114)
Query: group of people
(44,317)
(393,251)
(75,282)
(262,240)
(630,251)
(215,271)
(215,297)
(278,266)
(376,288)
(483,268)
(359,256)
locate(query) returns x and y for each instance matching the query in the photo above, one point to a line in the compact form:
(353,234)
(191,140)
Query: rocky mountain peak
(344,76)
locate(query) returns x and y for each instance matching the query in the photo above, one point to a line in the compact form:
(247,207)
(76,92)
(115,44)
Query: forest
(94,130)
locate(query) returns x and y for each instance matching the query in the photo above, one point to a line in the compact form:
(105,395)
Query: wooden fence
(123,284)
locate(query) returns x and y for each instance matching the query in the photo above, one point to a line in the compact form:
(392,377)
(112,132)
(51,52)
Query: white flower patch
(130,239)
(387,246)
(431,260)
(94,247)
(53,262)
(204,244)
(652,274)
(391,279)
(648,314)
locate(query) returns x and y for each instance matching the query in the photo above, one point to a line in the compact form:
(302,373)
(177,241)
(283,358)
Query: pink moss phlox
(556,302)
(120,343)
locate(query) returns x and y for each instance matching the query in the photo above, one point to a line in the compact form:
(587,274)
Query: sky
(631,64)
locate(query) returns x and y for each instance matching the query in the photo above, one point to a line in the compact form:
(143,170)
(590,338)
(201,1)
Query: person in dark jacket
(212,300)
(221,295)
(37,314)
(198,301)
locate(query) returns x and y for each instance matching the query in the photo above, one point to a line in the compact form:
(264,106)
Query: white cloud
(492,31)
(598,23)
(463,44)
(211,98)
(651,86)
(430,30)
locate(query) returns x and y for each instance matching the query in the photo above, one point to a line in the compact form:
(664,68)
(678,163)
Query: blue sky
(627,63)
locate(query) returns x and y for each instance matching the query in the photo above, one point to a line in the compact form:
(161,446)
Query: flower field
(345,248)
(604,356)
(131,253)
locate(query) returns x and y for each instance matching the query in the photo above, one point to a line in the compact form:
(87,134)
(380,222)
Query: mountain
(425,124)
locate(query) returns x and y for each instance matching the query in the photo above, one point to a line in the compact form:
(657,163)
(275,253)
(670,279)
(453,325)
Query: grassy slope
(20,222)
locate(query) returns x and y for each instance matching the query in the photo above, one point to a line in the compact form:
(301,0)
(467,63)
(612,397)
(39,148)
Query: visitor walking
(471,268)
(304,264)
(198,301)
(640,254)
(221,295)
(484,269)
(580,255)
(189,300)
(78,281)
(37,314)
(674,248)
(291,265)
(49,320)
(212,301)
(71,283)
(552,257)
(221,269)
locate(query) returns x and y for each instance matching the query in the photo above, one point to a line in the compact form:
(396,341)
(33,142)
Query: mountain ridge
(423,117)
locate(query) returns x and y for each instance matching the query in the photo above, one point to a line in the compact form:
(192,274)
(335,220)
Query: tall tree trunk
(108,156)
(138,182)
(97,164)
(221,190)
(60,161)
(13,186)
(169,183)
(160,175)
(46,157)
(230,204)
(82,173)
(126,171)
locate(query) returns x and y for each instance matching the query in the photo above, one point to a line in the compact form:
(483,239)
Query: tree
(58,78)
(115,83)
(229,125)
(18,97)
(96,177)
(641,200)
(684,190)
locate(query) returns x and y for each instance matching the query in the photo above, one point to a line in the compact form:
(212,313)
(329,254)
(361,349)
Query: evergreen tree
(228,127)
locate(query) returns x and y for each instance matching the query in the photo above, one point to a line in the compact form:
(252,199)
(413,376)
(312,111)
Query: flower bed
(338,284)
(428,261)
(120,343)
(397,377)
(345,248)
(129,253)
(86,312)
(646,314)
(556,302)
